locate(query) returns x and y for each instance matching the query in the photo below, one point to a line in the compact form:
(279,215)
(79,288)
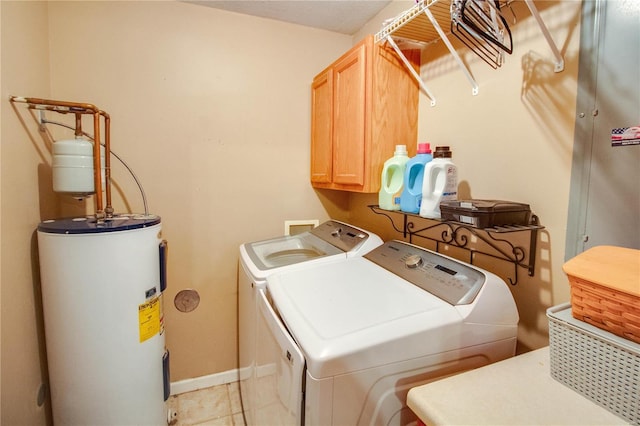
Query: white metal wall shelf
(424,23)
(458,234)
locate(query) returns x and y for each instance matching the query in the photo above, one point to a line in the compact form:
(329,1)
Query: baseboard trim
(188,385)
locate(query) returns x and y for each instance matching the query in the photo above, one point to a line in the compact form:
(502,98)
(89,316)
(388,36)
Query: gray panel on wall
(604,205)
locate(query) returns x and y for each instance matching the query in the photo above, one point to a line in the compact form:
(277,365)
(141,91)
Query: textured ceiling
(341,16)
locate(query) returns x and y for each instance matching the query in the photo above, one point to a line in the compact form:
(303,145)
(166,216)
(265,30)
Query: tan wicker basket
(605,289)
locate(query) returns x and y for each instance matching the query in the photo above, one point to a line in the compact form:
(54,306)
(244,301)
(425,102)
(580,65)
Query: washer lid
(353,314)
(330,238)
(289,250)
(89,225)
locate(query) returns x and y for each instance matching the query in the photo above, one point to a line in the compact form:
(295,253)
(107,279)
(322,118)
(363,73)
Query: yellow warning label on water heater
(149,317)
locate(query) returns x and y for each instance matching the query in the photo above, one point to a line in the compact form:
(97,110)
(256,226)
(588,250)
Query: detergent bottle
(411,197)
(392,178)
(440,183)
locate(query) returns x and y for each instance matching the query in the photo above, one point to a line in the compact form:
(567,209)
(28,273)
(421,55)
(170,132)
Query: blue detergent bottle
(411,196)
(392,178)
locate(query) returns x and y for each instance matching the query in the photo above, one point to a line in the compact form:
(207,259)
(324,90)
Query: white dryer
(347,340)
(329,242)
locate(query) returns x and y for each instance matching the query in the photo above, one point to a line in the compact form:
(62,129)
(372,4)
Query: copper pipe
(78,125)
(82,108)
(97,172)
(79,108)
(107,162)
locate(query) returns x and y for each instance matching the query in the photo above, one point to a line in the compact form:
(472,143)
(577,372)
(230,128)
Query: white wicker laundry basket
(595,363)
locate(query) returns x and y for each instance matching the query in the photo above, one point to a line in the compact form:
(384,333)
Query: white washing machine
(343,343)
(329,242)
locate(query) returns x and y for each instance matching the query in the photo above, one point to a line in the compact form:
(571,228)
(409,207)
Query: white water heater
(102,284)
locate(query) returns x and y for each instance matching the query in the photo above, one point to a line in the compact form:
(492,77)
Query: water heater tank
(102,289)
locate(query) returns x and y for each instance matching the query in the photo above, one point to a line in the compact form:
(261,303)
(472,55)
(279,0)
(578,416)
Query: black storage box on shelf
(486,213)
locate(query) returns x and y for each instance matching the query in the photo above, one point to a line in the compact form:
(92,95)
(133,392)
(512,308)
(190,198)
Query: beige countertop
(516,391)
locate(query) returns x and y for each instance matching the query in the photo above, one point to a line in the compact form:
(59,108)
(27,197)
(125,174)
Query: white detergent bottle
(411,197)
(440,183)
(392,178)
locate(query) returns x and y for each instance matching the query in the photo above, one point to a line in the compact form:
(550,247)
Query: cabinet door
(322,127)
(349,94)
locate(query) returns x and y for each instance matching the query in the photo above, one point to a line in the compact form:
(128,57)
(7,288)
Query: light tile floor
(215,406)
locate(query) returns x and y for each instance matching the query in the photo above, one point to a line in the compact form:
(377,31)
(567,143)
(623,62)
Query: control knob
(413,261)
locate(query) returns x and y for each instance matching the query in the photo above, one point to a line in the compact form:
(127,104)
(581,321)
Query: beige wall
(513,141)
(25,67)
(210,109)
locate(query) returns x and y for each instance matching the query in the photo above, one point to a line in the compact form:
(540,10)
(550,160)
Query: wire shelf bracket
(423,24)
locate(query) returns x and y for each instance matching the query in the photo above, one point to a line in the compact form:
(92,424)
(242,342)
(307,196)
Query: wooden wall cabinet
(363,105)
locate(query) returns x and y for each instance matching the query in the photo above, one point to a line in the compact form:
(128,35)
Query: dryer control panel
(452,281)
(341,235)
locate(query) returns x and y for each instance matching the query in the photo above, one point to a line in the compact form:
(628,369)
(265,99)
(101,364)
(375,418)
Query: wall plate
(293,227)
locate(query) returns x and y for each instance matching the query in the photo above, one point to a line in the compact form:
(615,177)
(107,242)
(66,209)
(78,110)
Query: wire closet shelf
(424,23)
